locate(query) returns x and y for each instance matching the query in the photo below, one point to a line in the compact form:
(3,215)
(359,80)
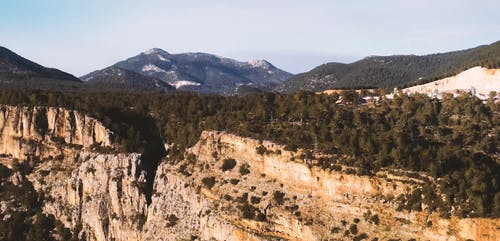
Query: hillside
(15,69)
(202,72)
(393,71)
(116,78)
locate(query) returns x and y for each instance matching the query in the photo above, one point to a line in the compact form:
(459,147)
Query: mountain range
(393,71)
(198,72)
(159,71)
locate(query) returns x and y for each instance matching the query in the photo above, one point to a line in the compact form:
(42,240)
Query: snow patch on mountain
(153,68)
(155,51)
(259,63)
(162,58)
(180,83)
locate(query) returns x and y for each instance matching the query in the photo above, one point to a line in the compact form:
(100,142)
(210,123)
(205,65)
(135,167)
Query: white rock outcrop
(478,80)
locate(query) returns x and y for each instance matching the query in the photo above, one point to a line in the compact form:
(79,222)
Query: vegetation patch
(209,182)
(228,164)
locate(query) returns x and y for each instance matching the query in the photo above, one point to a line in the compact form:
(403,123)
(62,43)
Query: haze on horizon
(82,36)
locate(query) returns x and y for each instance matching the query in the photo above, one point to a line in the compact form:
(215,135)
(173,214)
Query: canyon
(223,189)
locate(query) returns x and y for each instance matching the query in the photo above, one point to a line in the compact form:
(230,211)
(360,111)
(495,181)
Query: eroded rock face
(276,195)
(269,196)
(101,192)
(98,195)
(26,131)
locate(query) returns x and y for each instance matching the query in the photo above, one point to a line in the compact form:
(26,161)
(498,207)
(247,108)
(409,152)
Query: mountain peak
(155,51)
(201,72)
(260,63)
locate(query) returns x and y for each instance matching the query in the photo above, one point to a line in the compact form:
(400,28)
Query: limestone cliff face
(97,195)
(26,131)
(222,190)
(275,195)
(100,192)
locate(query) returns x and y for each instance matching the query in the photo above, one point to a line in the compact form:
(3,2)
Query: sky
(295,35)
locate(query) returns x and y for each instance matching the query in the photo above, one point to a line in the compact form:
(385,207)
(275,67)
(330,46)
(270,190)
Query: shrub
(279,197)
(243,198)
(353,229)
(244,169)
(255,200)
(191,157)
(234,181)
(228,164)
(248,211)
(374,219)
(172,220)
(261,150)
(209,182)
(360,237)
(260,217)
(228,197)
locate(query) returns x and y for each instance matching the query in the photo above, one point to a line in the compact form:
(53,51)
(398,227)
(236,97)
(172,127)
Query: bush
(209,182)
(172,220)
(261,150)
(228,164)
(279,197)
(360,237)
(248,211)
(244,169)
(243,198)
(228,197)
(353,229)
(255,200)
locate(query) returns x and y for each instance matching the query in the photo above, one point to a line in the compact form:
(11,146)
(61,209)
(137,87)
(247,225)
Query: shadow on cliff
(136,132)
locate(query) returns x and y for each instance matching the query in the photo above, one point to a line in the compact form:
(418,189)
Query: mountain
(115,78)
(393,71)
(202,72)
(18,70)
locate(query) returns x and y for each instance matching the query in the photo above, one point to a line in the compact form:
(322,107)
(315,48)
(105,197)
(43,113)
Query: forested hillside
(393,71)
(15,69)
(456,139)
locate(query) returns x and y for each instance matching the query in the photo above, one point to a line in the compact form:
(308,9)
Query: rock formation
(224,189)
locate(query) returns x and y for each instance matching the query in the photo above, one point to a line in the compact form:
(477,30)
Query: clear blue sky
(296,35)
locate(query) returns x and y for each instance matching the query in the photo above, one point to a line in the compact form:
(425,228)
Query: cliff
(97,195)
(277,195)
(223,189)
(33,132)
